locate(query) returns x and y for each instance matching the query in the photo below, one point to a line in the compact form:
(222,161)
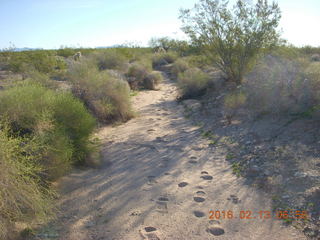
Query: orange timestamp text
(247,214)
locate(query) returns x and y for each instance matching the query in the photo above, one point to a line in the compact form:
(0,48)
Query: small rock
(300,174)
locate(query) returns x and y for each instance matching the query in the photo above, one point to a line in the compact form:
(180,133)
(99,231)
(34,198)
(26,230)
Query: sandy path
(159,180)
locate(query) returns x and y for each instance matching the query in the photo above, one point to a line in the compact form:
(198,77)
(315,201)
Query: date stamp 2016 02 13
(247,214)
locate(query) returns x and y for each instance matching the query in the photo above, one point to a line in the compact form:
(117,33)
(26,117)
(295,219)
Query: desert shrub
(145,61)
(181,47)
(315,57)
(308,50)
(289,52)
(141,75)
(232,37)
(199,61)
(282,86)
(234,100)
(23,197)
(193,82)
(106,95)
(33,76)
(66,52)
(160,59)
(232,103)
(137,71)
(132,53)
(33,110)
(41,61)
(152,79)
(312,76)
(110,60)
(179,66)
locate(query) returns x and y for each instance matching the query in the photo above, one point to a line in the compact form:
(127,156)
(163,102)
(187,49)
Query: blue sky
(91,23)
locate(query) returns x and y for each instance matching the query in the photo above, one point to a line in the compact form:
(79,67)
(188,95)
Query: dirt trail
(159,180)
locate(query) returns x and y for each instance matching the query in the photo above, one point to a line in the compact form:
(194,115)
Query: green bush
(23,196)
(193,82)
(233,38)
(107,96)
(58,120)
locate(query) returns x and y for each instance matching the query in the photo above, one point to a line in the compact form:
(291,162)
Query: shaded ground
(159,180)
(277,154)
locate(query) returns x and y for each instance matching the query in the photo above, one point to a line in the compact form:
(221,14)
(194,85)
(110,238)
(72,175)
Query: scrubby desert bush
(280,86)
(41,61)
(66,52)
(193,82)
(58,120)
(315,57)
(133,53)
(152,79)
(286,51)
(181,47)
(110,59)
(179,66)
(160,59)
(199,61)
(23,196)
(309,50)
(232,103)
(140,75)
(106,95)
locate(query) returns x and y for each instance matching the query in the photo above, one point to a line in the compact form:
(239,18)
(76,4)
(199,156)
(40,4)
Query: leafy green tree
(232,38)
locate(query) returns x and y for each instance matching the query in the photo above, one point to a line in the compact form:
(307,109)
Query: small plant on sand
(237,168)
